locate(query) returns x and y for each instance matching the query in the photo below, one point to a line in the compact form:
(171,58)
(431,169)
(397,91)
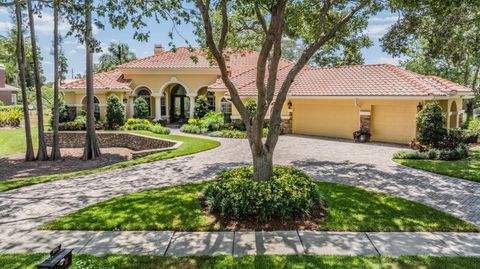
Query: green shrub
(458,153)
(410,154)
(193,129)
(1,103)
(451,139)
(251,106)
(474,125)
(140,108)
(115,112)
(430,122)
(19,108)
(213,121)
(216,134)
(290,193)
(134,121)
(201,107)
(79,124)
(159,129)
(10,117)
(234,134)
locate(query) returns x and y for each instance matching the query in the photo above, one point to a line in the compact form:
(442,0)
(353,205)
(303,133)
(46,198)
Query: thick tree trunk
(92,149)
(42,154)
(29,155)
(262,165)
(55,155)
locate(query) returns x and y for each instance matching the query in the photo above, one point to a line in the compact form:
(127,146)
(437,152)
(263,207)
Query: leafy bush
(10,117)
(474,125)
(430,122)
(213,121)
(410,154)
(1,103)
(216,134)
(193,129)
(134,121)
(19,108)
(470,136)
(290,193)
(416,145)
(79,124)
(140,108)
(457,153)
(138,126)
(115,112)
(251,106)
(201,107)
(233,134)
(451,139)
(159,129)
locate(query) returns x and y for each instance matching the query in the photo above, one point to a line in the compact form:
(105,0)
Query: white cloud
(389,60)
(74,51)
(44,25)
(4,11)
(47,62)
(376,31)
(384,19)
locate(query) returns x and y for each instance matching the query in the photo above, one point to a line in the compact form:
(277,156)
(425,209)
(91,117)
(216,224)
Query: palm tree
(56,155)
(29,156)
(118,53)
(42,154)
(91,150)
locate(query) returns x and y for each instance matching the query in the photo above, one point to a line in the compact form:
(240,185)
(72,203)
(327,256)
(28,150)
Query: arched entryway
(180,108)
(226,109)
(453,115)
(146,94)
(97,106)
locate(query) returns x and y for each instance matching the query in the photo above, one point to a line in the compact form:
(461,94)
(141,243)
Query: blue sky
(74,51)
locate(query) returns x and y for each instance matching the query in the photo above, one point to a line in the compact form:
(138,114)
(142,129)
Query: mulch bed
(311,223)
(14,166)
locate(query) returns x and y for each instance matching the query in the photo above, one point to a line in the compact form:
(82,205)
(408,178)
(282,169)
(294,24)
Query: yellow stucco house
(332,102)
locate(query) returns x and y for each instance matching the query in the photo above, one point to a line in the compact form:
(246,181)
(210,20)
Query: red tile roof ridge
(410,77)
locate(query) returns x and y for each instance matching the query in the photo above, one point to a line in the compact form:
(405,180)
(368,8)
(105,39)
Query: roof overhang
(9,88)
(97,90)
(170,71)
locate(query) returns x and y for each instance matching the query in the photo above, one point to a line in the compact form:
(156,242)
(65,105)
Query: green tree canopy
(118,53)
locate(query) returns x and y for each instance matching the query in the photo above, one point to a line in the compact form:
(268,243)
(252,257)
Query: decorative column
(192,103)
(158,108)
(132,108)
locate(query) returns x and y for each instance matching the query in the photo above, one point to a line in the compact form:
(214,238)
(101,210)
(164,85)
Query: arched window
(97,106)
(180,108)
(145,94)
(211,100)
(226,108)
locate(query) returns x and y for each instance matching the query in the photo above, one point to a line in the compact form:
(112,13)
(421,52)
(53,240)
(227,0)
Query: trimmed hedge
(290,193)
(145,125)
(457,153)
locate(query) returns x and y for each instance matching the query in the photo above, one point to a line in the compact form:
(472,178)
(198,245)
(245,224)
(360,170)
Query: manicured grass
(190,145)
(177,208)
(13,140)
(84,261)
(468,169)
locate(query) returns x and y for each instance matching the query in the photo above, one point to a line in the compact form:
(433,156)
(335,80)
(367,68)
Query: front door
(180,104)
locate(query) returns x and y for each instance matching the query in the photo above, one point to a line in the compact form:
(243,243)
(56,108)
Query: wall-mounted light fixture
(419,106)
(289,104)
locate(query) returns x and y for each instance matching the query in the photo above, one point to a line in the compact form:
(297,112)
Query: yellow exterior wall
(332,118)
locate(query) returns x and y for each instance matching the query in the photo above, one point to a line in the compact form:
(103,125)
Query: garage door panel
(395,124)
(325,120)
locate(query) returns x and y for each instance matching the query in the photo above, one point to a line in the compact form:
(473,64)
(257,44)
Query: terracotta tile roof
(106,80)
(357,80)
(181,58)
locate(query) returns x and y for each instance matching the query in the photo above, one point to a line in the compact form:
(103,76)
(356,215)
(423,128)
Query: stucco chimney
(158,49)
(2,76)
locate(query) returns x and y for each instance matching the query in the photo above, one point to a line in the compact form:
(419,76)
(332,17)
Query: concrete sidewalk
(171,243)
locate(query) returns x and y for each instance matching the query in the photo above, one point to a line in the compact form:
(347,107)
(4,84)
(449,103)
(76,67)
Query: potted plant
(362,135)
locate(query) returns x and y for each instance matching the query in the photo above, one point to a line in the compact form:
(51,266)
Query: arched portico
(96,101)
(146,93)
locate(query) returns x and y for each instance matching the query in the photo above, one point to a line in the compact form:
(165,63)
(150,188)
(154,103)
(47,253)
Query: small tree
(141,108)
(430,125)
(201,107)
(115,112)
(251,106)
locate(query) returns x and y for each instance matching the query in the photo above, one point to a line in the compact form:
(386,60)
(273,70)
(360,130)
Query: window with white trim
(14,99)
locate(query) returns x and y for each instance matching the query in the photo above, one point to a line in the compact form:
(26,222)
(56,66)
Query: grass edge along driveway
(190,145)
(468,169)
(177,208)
(28,261)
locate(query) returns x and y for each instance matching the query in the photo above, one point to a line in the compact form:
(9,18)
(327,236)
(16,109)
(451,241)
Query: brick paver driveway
(366,165)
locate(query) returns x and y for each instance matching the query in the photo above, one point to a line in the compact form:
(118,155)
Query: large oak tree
(315,22)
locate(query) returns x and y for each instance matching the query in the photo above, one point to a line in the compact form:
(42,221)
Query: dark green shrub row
(290,193)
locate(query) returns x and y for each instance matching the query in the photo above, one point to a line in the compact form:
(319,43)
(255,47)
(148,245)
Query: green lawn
(468,169)
(177,208)
(83,261)
(190,145)
(13,140)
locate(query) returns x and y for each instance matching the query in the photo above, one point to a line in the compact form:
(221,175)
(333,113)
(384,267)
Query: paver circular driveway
(366,165)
